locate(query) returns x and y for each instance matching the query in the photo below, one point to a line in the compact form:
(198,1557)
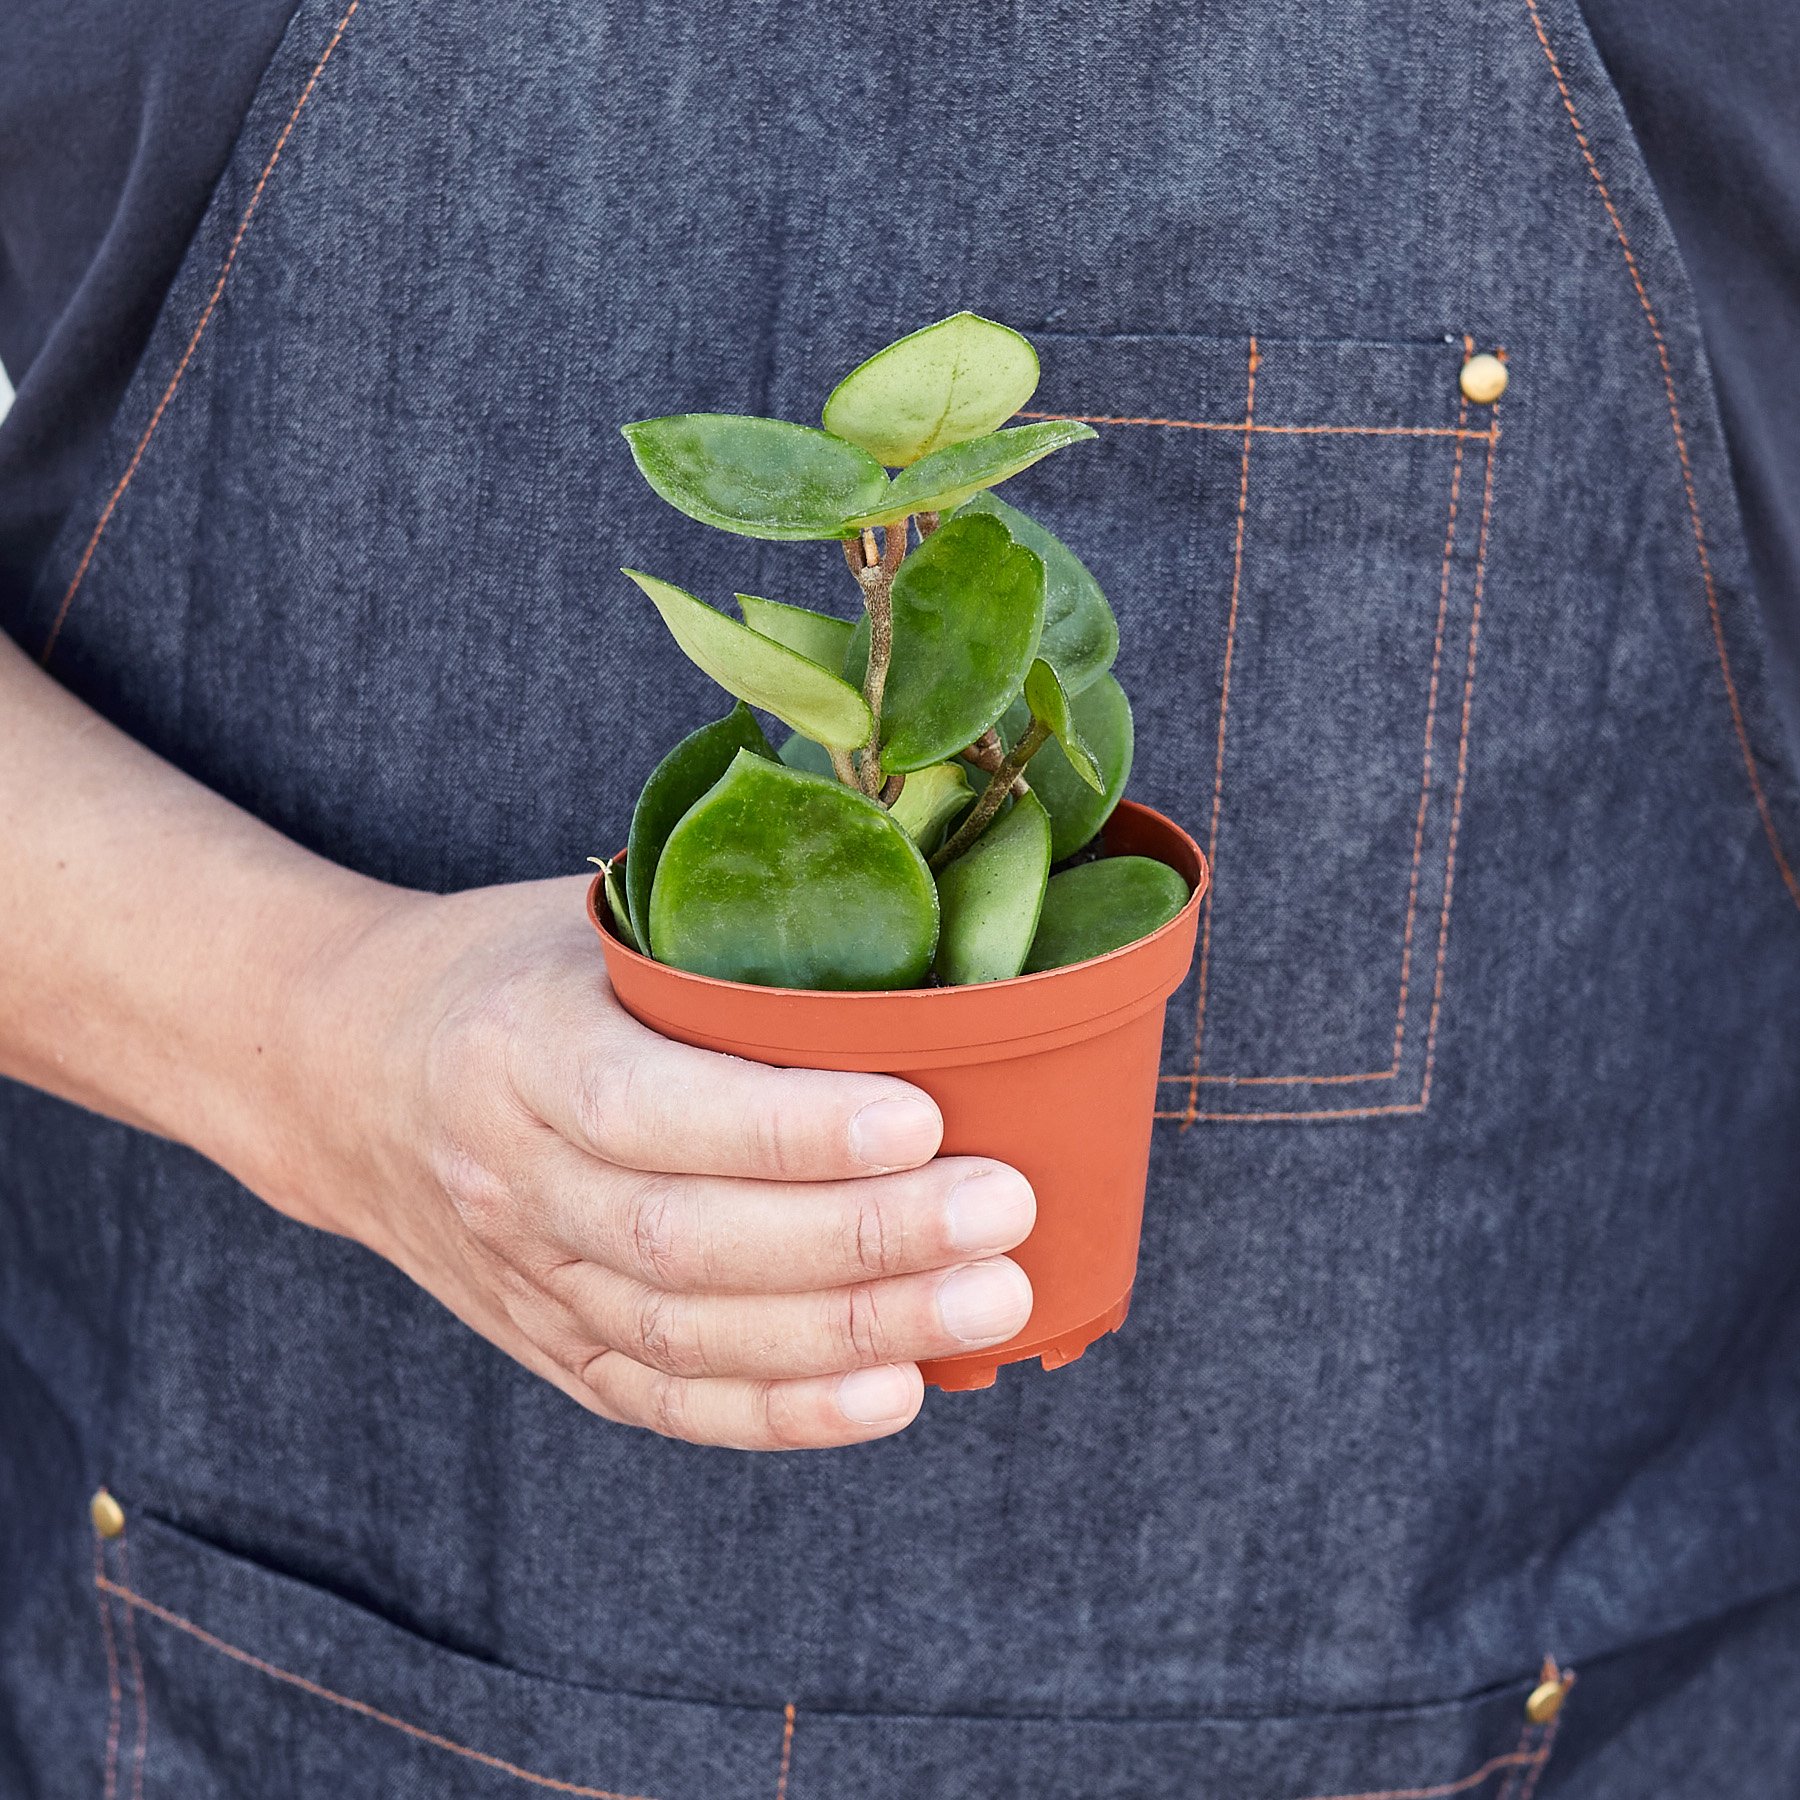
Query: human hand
(710,1248)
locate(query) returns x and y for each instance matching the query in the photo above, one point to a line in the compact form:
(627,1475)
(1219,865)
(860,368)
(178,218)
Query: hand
(706,1247)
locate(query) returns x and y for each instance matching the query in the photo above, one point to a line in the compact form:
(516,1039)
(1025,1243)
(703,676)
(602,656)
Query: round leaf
(674,785)
(788,880)
(991,897)
(1103,906)
(762,478)
(929,801)
(755,668)
(1102,715)
(802,753)
(1047,701)
(948,477)
(954,380)
(968,610)
(817,636)
(1081,636)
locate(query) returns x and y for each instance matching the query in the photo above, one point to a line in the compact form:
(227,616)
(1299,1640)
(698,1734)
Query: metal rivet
(108,1515)
(1483,379)
(1545,1700)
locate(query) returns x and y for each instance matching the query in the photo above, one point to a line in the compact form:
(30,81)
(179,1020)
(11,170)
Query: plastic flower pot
(1054,1073)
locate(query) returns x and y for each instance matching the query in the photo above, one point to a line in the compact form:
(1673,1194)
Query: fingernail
(895,1134)
(991,1211)
(876,1396)
(984,1303)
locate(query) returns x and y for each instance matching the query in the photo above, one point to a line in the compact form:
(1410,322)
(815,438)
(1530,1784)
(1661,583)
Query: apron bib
(1464,1334)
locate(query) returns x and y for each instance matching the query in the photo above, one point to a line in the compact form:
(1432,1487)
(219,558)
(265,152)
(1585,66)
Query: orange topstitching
(114,1698)
(1788,876)
(193,343)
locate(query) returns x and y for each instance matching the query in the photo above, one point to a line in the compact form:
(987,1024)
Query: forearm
(154,936)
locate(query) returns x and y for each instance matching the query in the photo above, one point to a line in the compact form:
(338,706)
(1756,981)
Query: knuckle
(775,1422)
(657,1238)
(609,1100)
(778,1139)
(664,1336)
(861,1333)
(482,1199)
(875,1238)
(669,1409)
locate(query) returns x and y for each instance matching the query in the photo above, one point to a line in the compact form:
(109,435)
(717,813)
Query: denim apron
(1467,1335)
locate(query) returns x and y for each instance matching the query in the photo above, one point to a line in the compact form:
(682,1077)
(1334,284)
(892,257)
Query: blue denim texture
(1466,1328)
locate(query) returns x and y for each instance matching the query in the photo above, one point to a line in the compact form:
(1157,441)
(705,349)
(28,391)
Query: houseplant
(933,875)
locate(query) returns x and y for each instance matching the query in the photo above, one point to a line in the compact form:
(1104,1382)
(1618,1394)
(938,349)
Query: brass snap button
(1483,379)
(1545,1700)
(108,1515)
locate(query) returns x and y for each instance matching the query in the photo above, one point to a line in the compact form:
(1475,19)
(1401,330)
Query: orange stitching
(1412,892)
(1544,1749)
(360,1707)
(114,1698)
(787,1752)
(142,1742)
(1345,1112)
(1237,579)
(1437,651)
(193,343)
(1426,431)
(1462,772)
(1462,765)
(1681,450)
(1513,1759)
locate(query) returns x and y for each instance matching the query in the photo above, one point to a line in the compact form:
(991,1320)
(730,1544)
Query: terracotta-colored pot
(1053,1073)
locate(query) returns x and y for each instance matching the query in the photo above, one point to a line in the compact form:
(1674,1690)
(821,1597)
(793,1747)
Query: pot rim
(600,916)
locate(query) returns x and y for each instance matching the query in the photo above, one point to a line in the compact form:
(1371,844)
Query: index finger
(628,1095)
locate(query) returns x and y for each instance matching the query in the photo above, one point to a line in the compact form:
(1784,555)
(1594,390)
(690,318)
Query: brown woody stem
(875,577)
(892,789)
(1000,784)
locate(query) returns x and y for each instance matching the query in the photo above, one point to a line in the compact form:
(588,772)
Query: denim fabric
(1465,1332)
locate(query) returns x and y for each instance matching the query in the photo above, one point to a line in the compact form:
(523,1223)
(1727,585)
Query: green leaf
(755,668)
(817,636)
(674,785)
(1048,702)
(616,904)
(1102,715)
(788,880)
(1103,906)
(968,611)
(948,477)
(954,380)
(929,801)
(762,478)
(991,897)
(800,752)
(1081,636)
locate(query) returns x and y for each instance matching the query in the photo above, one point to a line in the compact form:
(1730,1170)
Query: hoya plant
(949,745)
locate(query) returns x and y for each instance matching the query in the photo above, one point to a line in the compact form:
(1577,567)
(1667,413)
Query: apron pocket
(228,1679)
(1294,533)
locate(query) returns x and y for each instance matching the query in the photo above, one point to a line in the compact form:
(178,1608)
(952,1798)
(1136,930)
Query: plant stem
(875,576)
(1000,784)
(928,523)
(845,769)
(986,752)
(892,789)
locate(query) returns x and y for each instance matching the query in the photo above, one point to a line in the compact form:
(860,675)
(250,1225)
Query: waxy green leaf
(928,802)
(761,478)
(1102,715)
(1049,704)
(1081,636)
(948,477)
(788,880)
(755,668)
(800,752)
(991,897)
(674,785)
(1102,906)
(968,610)
(613,887)
(817,636)
(954,380)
